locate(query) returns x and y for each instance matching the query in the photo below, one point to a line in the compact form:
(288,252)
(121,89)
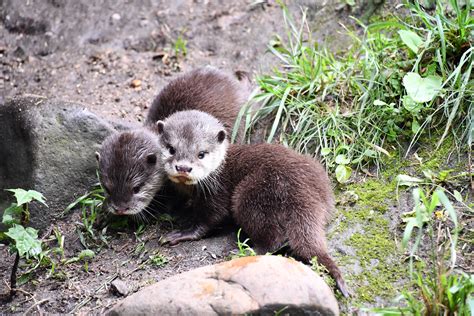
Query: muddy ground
(113,57)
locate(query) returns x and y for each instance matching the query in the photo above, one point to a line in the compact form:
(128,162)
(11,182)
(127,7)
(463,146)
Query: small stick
(36,304)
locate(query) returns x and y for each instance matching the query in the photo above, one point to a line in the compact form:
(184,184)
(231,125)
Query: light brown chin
(182,180)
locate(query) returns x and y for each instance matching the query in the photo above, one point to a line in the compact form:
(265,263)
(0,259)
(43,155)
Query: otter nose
(183,169)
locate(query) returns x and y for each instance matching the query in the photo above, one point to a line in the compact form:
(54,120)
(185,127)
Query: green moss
(376,252)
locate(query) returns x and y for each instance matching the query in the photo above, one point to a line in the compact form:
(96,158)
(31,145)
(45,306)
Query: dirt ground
(113,57)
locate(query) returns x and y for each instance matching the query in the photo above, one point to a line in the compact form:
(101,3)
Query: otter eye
(202,154)
(136,189)
(171,150)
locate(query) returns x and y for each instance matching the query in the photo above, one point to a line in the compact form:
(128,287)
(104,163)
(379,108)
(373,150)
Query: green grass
(353,108)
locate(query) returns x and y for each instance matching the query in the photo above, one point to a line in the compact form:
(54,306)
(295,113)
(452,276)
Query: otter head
(130,171)
(193,146)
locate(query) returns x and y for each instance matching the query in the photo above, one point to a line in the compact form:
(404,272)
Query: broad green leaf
(422,89)
(26,240)
(403,179)
(411,39)
(325,151)
(12,215)
(410,105)
(343,173)
(342,160)
(23,196)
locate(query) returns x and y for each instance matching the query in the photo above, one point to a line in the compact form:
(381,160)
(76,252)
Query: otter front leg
(195,233)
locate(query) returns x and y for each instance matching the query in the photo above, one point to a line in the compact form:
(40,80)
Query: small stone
(119,288)
(136,83)
(116,17)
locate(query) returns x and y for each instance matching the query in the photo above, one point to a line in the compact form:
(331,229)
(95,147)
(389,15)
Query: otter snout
(183,169)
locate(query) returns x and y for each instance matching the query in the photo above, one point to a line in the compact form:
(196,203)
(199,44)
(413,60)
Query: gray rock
(119,287)
(256,285)
(48,145)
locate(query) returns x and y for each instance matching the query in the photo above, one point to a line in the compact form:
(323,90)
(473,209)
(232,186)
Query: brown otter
(275,194)
(129,178)
(205,89)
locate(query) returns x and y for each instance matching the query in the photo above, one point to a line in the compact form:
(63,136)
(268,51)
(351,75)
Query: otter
(205,89)
(276,195)
(128,175)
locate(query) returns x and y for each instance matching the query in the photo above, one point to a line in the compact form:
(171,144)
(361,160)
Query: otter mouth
(182,179)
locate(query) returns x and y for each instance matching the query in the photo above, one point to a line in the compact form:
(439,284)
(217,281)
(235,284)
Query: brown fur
(276,196)
(205,89)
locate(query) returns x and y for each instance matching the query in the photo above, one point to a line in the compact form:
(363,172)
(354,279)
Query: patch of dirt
(114,56)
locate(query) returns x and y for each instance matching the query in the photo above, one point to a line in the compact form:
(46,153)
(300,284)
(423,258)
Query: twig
(37,304)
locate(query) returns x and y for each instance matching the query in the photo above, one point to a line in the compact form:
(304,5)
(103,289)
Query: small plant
(85,256)
(439,288)
(180,48)
(244,250)
(23,240)
(90,205)
(401,79)
(158,260)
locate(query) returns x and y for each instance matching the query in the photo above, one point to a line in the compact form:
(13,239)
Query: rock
(259,284)
(119,288)
(48,145)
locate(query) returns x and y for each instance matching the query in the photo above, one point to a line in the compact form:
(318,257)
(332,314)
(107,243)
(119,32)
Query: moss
(376,252)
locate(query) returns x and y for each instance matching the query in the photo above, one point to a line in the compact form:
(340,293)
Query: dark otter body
(205,89)
(276,195)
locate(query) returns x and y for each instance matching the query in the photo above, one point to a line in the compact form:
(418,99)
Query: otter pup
(130,178)
(205,89)
(275,194)
(130,170)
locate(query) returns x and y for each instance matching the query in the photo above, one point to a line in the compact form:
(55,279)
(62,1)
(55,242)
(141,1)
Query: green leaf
(325,151)
(422,89)
(410,105)
(343,173)
(457,196)
(12,215)
(379,103)
(86,254)
(23,196)
(26,240)
(406,180)
(415,126)
(411,39)
(342,160)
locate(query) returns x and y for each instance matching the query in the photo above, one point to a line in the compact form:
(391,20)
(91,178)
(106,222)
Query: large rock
(48,145)
(255,285)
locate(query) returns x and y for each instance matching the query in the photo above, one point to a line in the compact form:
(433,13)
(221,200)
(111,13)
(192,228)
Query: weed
(244,250)
(85,256)
(180,46)
(388,88)
(24,242)
(158,260)
(439,289)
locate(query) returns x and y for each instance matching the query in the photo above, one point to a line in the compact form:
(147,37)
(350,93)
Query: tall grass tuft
(385,91)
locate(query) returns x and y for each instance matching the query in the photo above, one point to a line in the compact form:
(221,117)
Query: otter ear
(97,156)
(151,159)
(221,136)
(160,126)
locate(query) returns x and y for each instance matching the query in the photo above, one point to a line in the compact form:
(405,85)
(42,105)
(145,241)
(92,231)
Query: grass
(353,108)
